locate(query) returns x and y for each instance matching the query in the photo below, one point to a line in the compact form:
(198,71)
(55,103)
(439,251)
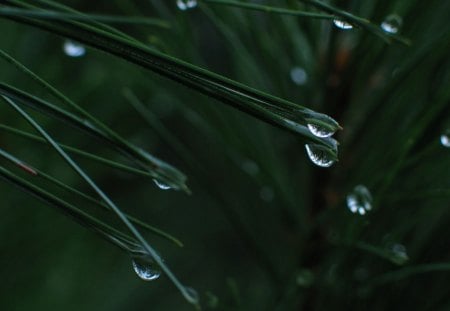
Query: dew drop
(145,268)
(359,200)
(299,76)
(391,24)
(321,125)
(319,155)
(73,49)
(399,255)
(186,4)
(445,139)
(319,131)
(161,185)
(342,24)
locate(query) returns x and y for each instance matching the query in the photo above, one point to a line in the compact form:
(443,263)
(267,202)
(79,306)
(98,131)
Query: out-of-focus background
(264,229)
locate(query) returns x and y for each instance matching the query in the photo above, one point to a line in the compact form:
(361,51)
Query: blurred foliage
(264,229)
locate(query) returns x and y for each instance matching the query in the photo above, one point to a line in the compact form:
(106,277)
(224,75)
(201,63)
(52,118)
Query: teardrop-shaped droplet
(392,24)
(145,268)
(186,4)
(342,24)
(161,185)
(320,131)
(299,76)
(321,125)
(359,200)
(191,295)
(445,139)
(319,155)
(73,49)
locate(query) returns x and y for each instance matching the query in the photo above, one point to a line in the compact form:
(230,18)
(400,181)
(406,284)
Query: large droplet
(445,139)
(299,76)
(73,49)
(321,125)
(186,4)
(392,24)
(342,24)
(359,200)
(319,131)
(319,155)
(161,185)
(144,267)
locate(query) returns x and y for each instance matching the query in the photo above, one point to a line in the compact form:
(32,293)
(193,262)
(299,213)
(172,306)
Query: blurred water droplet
(145,268)
(161,185)
(359,200)
(305,278)
(73,49)
(445,139)
(342,24)
(191,295)
(250,167)
(186,4)
(392,24)
(299,76)
(319,155)
(399,255)
(267,194)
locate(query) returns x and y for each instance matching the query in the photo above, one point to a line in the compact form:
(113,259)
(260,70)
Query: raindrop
(321,125)
(392,24)
(73,49)
(144,268)
(191,295)
(445,139)
(399,255)
(319,155)
(320,131)
(342,24)
(360,200)
(299,76)
(162,185)
(186,4)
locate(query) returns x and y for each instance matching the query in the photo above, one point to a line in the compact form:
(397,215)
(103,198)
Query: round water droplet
(399,255)
(321,125)
(342,24)
(299,76)
(320,131)
(191,295)
(73,49)
(319,155)
(161,185)
(144,268)
(392,24)
(445,139)
(359,200)
(186,4)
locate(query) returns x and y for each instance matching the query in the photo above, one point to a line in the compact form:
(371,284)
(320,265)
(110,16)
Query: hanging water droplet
(186,4)
(145,268)
(321,125)
(445,139)
(299,76)
(359,200)
(398,254)
(73,49)
(161,185)
(342,24)
(392,23)
(319,131)
(319,155)
(191,295)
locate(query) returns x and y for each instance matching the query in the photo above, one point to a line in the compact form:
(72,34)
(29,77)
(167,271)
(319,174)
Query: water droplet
(360,200)
(145,268)
(319,155)
(266,194)
(299,76)
(399,255)
(162,185)
(342,24)
(319,131)
(321,125)
(445,139)
(191,295)
(186,4)
(305,278)
(392,24)
(73,49)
